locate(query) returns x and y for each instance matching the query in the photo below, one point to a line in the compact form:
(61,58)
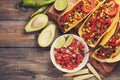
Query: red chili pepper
(114,42)
(118,26)
(108,21)
(92,28)
(101,21)
(113,12)
(86,8)
(67,14)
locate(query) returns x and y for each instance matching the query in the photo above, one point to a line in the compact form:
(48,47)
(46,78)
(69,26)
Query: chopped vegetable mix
(71,56)
(94,29)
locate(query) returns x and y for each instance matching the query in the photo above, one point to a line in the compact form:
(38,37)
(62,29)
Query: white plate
(81,65)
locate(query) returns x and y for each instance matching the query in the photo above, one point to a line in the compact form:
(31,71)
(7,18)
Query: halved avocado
(46,37)
(38,22)
(60,5)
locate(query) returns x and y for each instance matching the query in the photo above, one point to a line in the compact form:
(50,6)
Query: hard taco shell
(115,56)
(105,36)
(64,30)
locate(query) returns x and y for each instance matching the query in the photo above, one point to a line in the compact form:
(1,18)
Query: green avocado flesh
(60,5)
(46,37)
(38,22)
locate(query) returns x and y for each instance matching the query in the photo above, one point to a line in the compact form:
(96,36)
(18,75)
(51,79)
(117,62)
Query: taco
(73,16)
(110,52)
(100,22)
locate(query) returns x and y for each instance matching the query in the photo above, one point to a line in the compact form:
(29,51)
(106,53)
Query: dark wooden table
(20,56)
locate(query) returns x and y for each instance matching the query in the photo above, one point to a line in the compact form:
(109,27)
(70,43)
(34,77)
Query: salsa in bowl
(67,53)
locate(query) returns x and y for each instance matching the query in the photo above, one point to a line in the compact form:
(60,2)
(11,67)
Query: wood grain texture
(12,34)
(8,11)
(20,56)
(27,63)
(33,64)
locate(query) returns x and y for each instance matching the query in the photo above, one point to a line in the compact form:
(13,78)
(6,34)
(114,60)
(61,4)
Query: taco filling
(110,47)
(100,22)
(77,13)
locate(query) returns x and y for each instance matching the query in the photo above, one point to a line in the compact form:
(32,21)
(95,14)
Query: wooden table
(20,56)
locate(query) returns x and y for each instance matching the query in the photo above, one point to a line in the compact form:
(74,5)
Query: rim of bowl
(81,65)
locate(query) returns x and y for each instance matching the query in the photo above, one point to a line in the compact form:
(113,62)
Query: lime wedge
(69,41)
(60,5)
(118,1)
(60,43)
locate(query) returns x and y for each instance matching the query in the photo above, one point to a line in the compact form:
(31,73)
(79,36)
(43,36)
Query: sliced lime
(69,41)
(60,43)
(118,1)
(60,5)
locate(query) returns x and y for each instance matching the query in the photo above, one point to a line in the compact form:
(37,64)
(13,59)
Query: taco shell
(115,57)
(67,26)
(103,37)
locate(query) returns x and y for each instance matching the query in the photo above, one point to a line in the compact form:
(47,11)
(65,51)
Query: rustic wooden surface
(20,56)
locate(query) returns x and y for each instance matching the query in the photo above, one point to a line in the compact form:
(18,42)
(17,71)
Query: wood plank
(27,63)
(14,14)
(8,11)
(10,3)
(12,34)
(33,63)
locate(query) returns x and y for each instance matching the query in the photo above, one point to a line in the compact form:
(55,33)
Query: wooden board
(20,56)
(104,68)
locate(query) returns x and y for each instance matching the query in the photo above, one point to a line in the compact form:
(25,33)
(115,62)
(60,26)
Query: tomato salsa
(71,56)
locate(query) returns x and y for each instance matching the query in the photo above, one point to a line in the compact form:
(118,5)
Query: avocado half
(46,37)
(38,22)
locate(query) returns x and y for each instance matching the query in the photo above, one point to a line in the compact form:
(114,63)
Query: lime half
(60,43)
(60,5)
(118,1)
(69,41)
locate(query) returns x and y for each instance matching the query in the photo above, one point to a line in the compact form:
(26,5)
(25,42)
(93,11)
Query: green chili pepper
(36,3)
(41,9)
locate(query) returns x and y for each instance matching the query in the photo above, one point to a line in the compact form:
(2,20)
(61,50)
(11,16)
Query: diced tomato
(81,45)
(58,61)
(74,42)
(70,57)
(79,58)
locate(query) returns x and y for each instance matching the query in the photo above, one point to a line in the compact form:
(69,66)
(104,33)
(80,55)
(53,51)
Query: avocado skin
(47,36)
(41,18)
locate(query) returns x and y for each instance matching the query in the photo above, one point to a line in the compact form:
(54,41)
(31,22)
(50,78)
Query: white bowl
(80,66)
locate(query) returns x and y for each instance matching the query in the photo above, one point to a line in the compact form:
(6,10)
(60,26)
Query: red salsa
(71,56)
